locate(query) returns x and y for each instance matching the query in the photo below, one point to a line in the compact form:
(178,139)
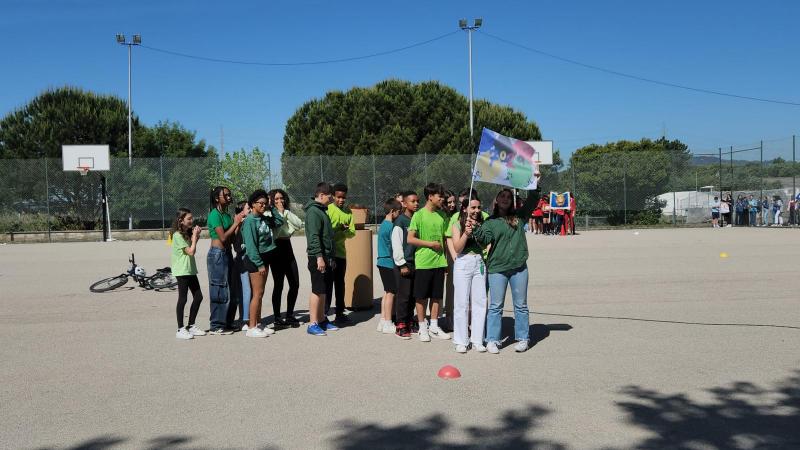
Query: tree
(391,118)
(70,115)
(622,179)
(241,172)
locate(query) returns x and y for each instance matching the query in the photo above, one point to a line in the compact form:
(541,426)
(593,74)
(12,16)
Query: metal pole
(794,177)
(130,121)
(374,190)
(733,205)
(161,171)
(625,190)
(47,197)
(469,38)
(321,171)
(269,171)
(761,147)
(425,169)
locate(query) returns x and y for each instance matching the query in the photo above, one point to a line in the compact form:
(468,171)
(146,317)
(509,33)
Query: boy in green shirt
(343,229)
(321,261)
(426,232)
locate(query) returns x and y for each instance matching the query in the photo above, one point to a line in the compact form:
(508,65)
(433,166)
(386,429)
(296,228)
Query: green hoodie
(257,234)
(343,227)
(509,247)
(319,233)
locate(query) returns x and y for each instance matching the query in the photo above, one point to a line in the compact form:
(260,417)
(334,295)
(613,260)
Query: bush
(13,222)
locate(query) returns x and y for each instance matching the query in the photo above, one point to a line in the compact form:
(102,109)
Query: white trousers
(469,281)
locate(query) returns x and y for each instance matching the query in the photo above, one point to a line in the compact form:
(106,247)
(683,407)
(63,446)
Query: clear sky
(741,47)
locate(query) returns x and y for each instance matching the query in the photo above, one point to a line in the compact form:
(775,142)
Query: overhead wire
(301,63)
(635,77)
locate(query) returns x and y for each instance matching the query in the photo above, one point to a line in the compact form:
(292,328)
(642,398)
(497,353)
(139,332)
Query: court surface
(713,362)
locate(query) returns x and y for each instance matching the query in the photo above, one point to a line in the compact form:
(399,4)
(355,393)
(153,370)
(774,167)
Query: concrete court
(97,371)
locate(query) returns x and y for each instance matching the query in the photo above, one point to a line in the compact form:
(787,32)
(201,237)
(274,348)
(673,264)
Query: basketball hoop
(83,170)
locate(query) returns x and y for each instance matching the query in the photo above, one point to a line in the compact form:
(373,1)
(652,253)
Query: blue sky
(745,48)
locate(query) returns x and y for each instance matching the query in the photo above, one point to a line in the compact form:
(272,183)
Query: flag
(506,161)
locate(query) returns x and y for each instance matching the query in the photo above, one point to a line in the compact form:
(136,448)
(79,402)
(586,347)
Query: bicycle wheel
(109,283)
(162,280)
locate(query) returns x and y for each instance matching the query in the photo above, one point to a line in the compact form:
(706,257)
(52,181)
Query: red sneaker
(402,331)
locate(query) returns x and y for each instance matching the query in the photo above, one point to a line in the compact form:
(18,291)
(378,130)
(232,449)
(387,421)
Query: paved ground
(96,371)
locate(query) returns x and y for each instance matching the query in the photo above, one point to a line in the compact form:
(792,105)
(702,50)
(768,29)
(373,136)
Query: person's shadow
(536,332)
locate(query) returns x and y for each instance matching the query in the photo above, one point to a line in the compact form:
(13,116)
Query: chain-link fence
(611,189)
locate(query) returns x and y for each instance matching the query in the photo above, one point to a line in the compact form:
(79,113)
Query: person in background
(777,205)
(753,207)
(765,212)
(714,204)
(284,263)
(538,216)
(184,267)
(241,289)
(403,257)
(449,207)
(573,209)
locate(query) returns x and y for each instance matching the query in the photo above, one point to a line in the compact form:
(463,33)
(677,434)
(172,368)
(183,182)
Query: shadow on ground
(512,432)
(536,333)
(166,442)
(741,415)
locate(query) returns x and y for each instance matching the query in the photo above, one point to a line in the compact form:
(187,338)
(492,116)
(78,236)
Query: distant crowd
(421,242)
(749,211)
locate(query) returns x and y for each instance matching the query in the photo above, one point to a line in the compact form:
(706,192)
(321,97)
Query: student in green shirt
(343,228)
(221,229)
(506,264)
(426,232)
(321,261)
(184,245)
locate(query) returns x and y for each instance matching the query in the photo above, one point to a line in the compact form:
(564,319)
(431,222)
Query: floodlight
(120,38)
(137,39)
(462,23)
(478,23)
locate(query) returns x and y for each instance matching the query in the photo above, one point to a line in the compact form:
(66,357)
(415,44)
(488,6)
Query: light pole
(136,39)
(476,23)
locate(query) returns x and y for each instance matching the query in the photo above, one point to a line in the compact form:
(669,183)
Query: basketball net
(83,170)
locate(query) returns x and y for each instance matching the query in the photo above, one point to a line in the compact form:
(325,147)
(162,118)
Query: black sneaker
(292,321)
(280,323)
(414,327)
(341,319)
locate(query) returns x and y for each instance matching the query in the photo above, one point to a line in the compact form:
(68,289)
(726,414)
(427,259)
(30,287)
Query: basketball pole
(106,224)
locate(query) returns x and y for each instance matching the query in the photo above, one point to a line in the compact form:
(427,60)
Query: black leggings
(186,283)
(336,282)
(284,265)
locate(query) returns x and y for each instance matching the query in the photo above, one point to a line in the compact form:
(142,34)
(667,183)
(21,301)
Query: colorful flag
(506,161)
(560,200)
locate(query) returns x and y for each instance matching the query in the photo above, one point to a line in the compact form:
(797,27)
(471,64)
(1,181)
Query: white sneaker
(478,348)
(266,331)
(194,331)
(492,348)
(424,336)
(256,333)
(380,326)
(388,327)
(461,349)
(245,327)
(183,333)
(521,346)
(439,333)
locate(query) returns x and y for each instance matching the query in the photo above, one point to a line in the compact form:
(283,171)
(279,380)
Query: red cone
(449,373)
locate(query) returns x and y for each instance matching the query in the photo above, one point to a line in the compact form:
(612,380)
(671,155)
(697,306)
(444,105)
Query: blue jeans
(498,282)
(245,293)
(218,262)
(753,214)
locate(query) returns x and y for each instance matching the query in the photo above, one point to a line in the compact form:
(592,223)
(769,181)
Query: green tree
(393,117)
(621,180)
(241,172)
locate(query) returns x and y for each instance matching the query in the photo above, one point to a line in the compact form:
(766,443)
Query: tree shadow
(741,415)
(511,432)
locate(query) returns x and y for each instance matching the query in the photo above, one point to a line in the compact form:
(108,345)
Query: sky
(744,48)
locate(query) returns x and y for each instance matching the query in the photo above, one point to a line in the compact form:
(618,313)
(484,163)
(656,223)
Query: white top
(291,223)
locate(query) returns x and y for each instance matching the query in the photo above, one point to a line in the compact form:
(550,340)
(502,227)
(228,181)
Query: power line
(636,77)
(301,63)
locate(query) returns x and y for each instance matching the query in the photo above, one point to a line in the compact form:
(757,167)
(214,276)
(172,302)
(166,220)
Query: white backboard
(543,152)
(95,157)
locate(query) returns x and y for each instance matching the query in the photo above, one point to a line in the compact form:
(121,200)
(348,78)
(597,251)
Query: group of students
(415,245)
(751,212)
(552,222)
(486,251)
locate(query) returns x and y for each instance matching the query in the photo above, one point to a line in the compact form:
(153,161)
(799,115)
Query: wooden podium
(358,277)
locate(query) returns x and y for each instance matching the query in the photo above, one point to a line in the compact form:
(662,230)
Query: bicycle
(162,279)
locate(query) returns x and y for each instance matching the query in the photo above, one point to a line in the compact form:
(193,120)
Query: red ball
(449,373)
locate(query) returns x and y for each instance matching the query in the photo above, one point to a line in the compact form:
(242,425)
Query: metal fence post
(425,167)
(761,148)
(794,169)
(47,196)
(625,189)
(161,174)
(374,191)
(321,171)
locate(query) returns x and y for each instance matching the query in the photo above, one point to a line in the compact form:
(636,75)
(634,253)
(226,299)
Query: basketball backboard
(543,152)
(82,157)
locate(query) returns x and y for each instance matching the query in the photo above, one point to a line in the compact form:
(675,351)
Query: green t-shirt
(180,262)
(218,219)
(429,226)
(471,246)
